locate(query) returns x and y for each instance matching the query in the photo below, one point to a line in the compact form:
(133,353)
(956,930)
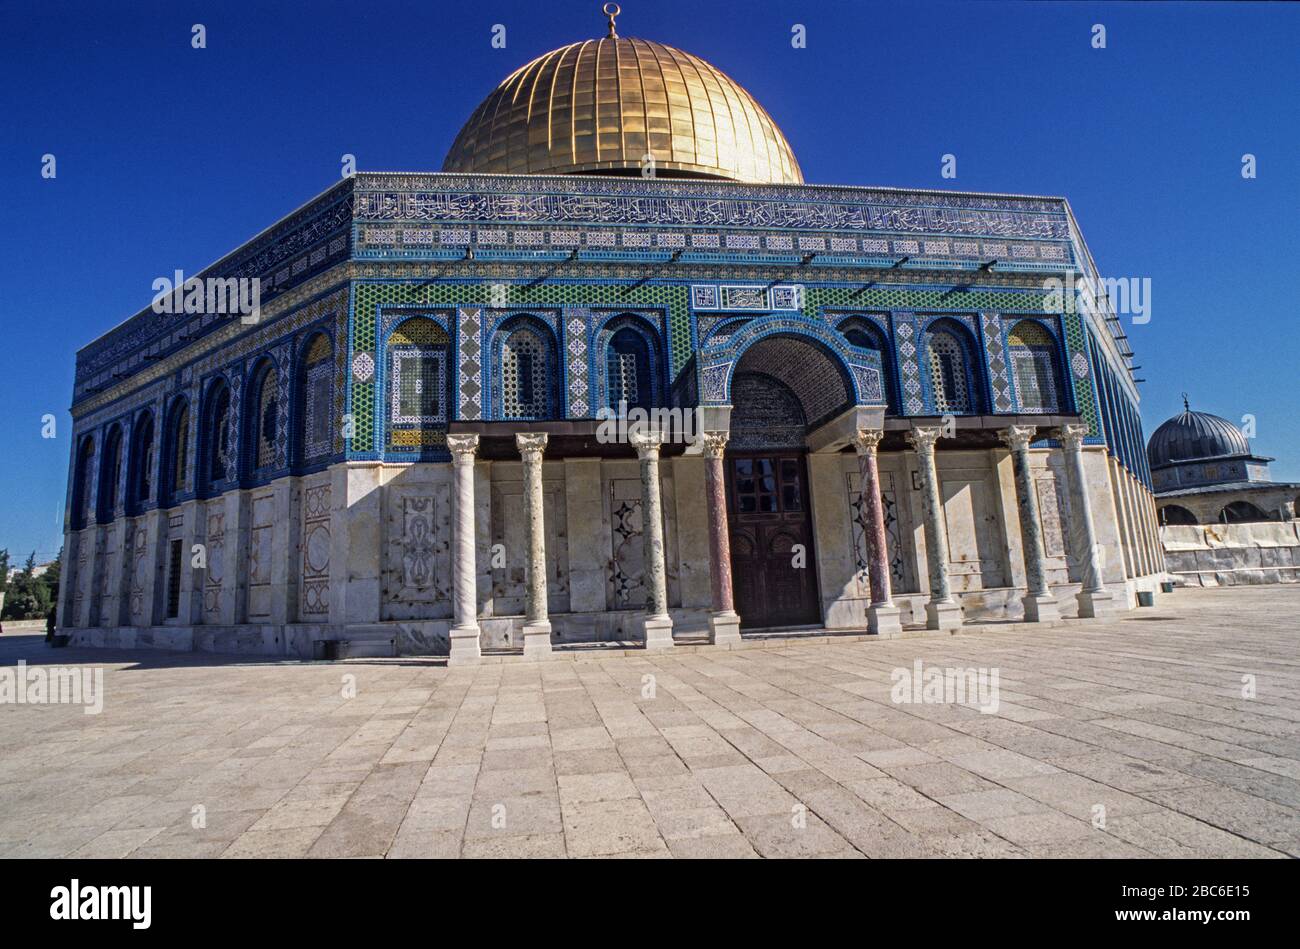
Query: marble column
(1039,603)
(537,625)
(658,625)
(942,611)
(1094,599)
(465,648)
(882,615)
(724,623)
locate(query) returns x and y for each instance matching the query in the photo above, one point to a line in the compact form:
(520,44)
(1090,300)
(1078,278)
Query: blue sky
(168,156)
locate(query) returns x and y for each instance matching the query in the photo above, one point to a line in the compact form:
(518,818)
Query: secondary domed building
(615,373)
(1222,521)
(1203,471)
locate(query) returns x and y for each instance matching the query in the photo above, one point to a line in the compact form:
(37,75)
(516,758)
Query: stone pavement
(1121,739)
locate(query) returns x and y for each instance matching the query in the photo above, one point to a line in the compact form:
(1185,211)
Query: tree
(4,570)
(52,576)
(28,596)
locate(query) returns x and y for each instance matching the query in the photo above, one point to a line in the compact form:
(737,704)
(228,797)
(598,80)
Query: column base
(658,632)
(724,628)
(943,615)
(1096,604)
(537,640)
(885,621)
(1041,608)
(465,648)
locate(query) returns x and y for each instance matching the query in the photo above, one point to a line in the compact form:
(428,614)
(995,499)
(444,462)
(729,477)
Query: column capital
(531,445)
(646,441)
(923,437)
(715,443)
(1017,437)
(865,440)
(1071,436)
(462,447)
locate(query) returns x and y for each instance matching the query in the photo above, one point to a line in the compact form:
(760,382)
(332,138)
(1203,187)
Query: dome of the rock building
(601,106)
(1195,435)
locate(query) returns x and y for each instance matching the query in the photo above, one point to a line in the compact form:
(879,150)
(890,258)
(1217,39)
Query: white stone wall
(362,551)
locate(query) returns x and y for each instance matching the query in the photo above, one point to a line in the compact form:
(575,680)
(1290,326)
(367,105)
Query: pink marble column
(724,623)
(882,616)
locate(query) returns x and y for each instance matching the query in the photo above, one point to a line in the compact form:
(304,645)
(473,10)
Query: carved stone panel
(259,557)
(900,577)
(417,569)
(314,593)
(215,574)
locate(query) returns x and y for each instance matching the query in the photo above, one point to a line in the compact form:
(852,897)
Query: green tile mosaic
(369,296)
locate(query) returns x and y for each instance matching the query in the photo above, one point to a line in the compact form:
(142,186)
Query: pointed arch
(110,474)
(863,332)
(261,418)
(1242,512)
(176,453)
(951,369)
(142,474)
(314,397)
(525,354)
(1176,514)
(1035,367)
(215,461)
(630,363)
(418,384)
(83,485)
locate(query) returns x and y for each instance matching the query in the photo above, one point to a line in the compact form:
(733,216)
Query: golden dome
(600,106)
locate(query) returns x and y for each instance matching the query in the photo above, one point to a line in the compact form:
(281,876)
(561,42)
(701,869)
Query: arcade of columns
(942,610)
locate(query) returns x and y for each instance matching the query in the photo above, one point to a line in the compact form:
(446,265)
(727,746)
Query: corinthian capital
(531,445)
(462,447)
(1071,436)
(865,440)
(715,443)
(647,442)
(1018,437)
(923,438)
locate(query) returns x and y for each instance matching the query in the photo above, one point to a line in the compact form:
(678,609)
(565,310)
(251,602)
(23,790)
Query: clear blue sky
(168,156)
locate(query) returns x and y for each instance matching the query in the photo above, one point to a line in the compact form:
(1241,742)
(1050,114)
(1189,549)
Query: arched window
(418,384)
(866,335)
(1242,512)
(952,378)
(142,462)
(526,377)
(110,473)
(1176,514)
(177,451)
(628,370)
(316,396)
(1033,363)
(262,423)
(216,460)
(83,486)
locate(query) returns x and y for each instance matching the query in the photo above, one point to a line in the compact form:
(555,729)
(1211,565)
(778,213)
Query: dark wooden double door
(773,570)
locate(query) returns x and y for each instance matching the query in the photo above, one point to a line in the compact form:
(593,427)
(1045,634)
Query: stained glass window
(418,381)
(1033,361)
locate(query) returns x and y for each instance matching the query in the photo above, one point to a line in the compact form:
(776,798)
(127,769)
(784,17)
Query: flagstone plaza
(1125,737)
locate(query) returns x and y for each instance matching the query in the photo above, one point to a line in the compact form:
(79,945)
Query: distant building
(1222,521)
(1204,472)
